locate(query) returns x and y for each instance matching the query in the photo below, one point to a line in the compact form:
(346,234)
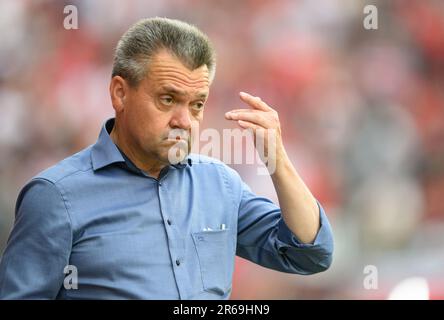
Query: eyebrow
(178,92)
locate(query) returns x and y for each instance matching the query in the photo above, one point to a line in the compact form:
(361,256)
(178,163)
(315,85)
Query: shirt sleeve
(265,239)
(39,245)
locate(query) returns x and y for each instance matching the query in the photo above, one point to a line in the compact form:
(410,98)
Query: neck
(143,162)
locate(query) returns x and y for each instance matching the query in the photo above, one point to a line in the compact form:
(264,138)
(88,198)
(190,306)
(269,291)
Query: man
(134,225)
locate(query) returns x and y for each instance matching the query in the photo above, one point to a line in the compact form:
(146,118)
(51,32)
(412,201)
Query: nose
(181,119)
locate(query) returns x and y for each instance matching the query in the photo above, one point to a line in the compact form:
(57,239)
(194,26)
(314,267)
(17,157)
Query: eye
(167,100)
(199,106)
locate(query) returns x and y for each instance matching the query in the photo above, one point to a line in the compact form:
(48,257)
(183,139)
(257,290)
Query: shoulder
(44,190)
(76,163)
(215,171)
(43,196)
(202,162)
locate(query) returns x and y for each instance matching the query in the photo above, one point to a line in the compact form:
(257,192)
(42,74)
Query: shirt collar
(104,152)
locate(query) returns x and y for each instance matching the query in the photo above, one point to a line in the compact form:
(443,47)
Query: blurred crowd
(362,114)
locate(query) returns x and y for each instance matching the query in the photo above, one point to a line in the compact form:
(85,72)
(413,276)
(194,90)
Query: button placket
(175,239)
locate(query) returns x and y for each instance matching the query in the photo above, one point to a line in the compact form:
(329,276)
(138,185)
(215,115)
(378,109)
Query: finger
(244,110)
(256,118)
(229,114)
(248,125)
(254,102)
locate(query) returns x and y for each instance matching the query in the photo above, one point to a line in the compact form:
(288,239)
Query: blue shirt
(131,236)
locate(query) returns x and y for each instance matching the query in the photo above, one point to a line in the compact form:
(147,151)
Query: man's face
(169,100)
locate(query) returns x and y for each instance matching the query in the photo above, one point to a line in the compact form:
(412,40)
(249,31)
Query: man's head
(145,38)
(161,77)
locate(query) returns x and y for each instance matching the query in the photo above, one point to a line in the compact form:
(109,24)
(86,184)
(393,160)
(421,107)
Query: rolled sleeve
(39,245)
(308,257)
(265,239)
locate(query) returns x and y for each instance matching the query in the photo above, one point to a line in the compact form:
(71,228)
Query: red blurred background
(362,115)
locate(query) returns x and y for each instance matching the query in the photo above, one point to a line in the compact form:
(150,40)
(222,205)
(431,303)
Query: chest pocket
(216,259)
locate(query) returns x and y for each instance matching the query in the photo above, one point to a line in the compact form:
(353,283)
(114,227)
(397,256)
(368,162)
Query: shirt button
(160,184)
(178,262)
(169,221)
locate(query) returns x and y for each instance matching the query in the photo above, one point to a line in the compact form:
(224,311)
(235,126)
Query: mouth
(177,135)
(176,141)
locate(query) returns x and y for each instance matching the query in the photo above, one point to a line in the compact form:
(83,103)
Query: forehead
(166,71)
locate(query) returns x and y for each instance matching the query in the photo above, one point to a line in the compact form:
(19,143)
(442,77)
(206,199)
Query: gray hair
(146,37)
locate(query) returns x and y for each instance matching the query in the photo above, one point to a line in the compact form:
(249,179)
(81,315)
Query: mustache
(179,134)
(181,147)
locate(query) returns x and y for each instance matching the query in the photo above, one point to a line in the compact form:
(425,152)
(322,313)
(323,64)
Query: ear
(118,90)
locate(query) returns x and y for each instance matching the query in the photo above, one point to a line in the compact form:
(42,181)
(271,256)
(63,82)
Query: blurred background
(362,115)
